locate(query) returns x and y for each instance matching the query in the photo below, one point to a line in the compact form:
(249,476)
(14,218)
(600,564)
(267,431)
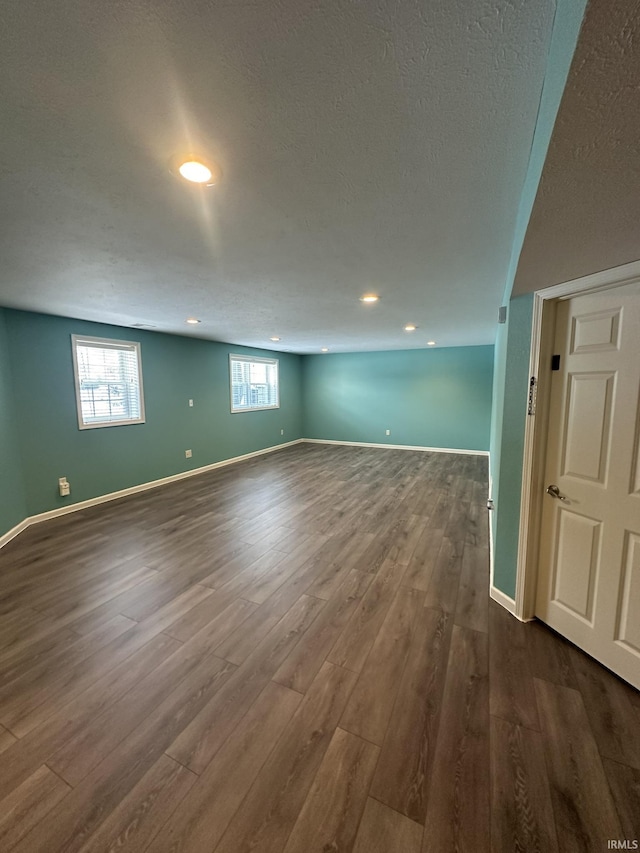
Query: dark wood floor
(297,654)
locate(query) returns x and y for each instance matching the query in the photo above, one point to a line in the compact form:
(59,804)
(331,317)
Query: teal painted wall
(439,398)
(514,414)
(497,407)
(509,428)
(12,499)
(428,398)
(99,461)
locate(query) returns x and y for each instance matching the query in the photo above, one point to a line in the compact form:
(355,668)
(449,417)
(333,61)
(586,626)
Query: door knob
(554,491)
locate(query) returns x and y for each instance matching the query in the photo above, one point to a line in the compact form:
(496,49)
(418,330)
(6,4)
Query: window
(254,383)
(108,378)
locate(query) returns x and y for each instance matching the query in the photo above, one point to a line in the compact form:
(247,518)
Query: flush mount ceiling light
(369,298)
(192,321)
(274,339)
(195,169)
(324,349)
(431,343)
(410,327)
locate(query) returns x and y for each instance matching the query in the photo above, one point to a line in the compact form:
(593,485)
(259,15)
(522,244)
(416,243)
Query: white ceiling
(373,146)
(586,215)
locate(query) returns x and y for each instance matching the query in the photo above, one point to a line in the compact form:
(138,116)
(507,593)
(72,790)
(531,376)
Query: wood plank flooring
(297,654)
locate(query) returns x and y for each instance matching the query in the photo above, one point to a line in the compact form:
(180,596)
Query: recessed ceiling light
(195,169)
(410,327)
(369,297)
(324,349)
(195,172)
(192,321)
(274,339)
(431,343)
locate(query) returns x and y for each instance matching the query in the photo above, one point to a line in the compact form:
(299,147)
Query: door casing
(535,437)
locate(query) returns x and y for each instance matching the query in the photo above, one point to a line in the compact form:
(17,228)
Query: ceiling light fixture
(431,343)
(274,339)
(195,169)
(192,321)
(369,298)
(410,327)
(195,172)
(324,349)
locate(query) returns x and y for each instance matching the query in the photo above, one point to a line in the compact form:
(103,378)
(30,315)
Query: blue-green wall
(497,406)
(12,502)
(99,461)
(508,483)
(508,429)
(427,398)
(437,398)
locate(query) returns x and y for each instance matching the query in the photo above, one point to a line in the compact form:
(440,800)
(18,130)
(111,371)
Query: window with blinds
(108,378)
(254,383)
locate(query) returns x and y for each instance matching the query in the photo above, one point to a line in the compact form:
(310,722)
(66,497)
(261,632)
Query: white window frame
(254,359)
(106,343)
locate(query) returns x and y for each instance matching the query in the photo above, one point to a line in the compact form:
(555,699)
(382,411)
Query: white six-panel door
(589,572)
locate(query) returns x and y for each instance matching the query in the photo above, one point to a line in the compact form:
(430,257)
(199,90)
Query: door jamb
(535,437)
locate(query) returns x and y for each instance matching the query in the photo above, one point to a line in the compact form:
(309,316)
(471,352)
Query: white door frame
(533,464)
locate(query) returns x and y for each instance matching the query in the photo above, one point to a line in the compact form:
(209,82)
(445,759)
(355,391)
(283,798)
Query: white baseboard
(132,490)
(398,446)
(506,601)
(491,556)
(153,484)
(496,594)
(11,534)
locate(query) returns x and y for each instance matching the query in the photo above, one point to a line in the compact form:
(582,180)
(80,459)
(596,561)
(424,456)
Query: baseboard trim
(491,516)
(132,490)
(503,599)
(163,481)
(11,534)
(398,446)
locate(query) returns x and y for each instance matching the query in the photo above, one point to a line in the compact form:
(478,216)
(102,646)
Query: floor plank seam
(61,778)
(419,698)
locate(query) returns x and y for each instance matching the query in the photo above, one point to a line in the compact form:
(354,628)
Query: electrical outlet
(387,432)
(191,404)
(63,487)
(188,454)
(281,432)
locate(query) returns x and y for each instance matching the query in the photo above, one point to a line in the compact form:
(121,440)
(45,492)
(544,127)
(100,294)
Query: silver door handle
(554,491)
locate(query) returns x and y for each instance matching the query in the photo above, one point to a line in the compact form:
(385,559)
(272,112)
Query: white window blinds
(108,378)
(254,383)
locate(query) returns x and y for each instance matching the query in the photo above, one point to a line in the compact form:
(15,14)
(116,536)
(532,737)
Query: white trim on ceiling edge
(152,484)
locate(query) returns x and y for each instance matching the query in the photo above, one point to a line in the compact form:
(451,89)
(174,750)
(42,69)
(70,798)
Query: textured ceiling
(365,146)
(586,216)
